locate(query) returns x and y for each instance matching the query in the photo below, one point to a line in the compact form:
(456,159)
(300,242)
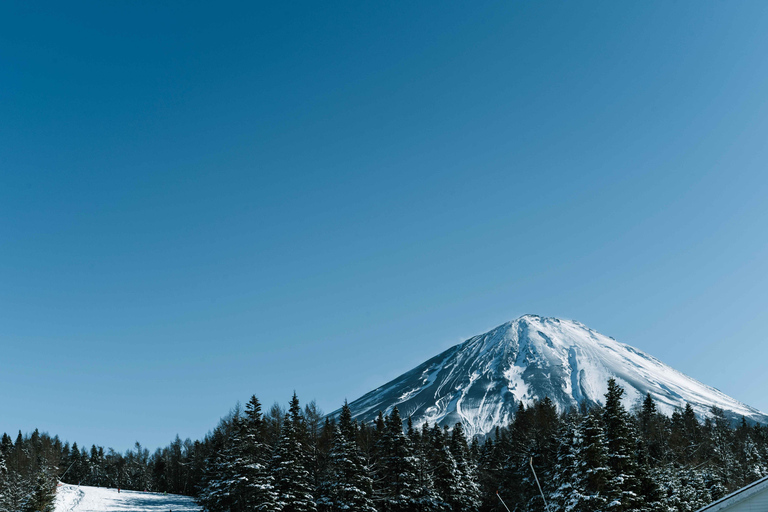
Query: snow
(73,498)
(481,381)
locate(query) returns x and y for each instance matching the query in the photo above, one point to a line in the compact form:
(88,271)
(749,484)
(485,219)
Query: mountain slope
(481,381)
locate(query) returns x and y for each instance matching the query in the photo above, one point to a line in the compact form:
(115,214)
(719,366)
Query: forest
(600,458)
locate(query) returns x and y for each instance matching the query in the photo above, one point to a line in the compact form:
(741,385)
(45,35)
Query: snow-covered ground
(73,498)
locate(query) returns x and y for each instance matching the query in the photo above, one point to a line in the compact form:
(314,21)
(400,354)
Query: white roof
(737,496)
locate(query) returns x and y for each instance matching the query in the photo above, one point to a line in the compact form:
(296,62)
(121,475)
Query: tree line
(592,459)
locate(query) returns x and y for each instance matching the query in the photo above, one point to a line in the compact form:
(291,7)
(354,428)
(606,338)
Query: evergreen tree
(396,468)
(566,483)
(653,433)
(346,485)
(466,497)
(221,483)
(513,447)
(719,449)
(3,480)
(683,490)
(593,479)
(260,493)
(289,464)
(42,496)
(426,496)
(445,471)
(621,444)
(750,465)
(490,462)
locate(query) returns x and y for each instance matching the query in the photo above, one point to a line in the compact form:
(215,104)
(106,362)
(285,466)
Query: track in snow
(73,498)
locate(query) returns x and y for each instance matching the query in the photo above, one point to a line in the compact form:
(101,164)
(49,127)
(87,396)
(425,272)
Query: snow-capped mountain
(481,381)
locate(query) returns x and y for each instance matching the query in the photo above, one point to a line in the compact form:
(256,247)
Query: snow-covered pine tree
(512,448)
(545,423)
(622,456)
(474,450)
(653,432)
(650,444)
(259,488)
(490,462)
(319,436)
(567,479)
(96,462)
(593,476)
(683,490)
(273,421)
(531,434)
(76,470)
(289,464)
(16,492)
(719,448)
(426,496)
(3,481)
(396,468)
(686,437)
(444,470)
(467,495)
(18,484)
(346,484)
(751,465)
(219,487)
(41,498)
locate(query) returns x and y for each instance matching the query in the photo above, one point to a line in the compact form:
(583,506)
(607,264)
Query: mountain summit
(481,381)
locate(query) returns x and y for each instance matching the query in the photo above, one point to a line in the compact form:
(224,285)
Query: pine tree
(622,458)
(42,496)
(719,449)
(396,467)
(346,484)
(221,479)
(18,486)
(593,476)
(513,447)
(258,488)
(545,423)
(683,490)
(426,496)
(75,473)
(566,483)
(467,495)
(316,434)
(651,446)
(648,428)
(445,471)
(289,464)
(490,460)
(3,481)
(16,492)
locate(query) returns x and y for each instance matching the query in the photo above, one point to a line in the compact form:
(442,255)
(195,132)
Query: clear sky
(200,202)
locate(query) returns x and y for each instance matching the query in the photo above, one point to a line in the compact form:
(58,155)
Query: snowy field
(71,498)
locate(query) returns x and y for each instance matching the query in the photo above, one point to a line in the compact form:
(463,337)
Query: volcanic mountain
(481,381)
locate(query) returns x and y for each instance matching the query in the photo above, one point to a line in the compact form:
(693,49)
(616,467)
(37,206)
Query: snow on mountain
(481,381)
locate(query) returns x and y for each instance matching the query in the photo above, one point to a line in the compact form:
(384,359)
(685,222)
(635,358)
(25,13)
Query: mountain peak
(481,381)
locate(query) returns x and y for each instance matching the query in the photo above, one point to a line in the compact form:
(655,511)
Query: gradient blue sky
(199,203)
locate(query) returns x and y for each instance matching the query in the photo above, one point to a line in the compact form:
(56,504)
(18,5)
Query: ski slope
(73,498)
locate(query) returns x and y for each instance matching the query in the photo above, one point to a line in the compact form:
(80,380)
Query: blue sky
(200,203)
